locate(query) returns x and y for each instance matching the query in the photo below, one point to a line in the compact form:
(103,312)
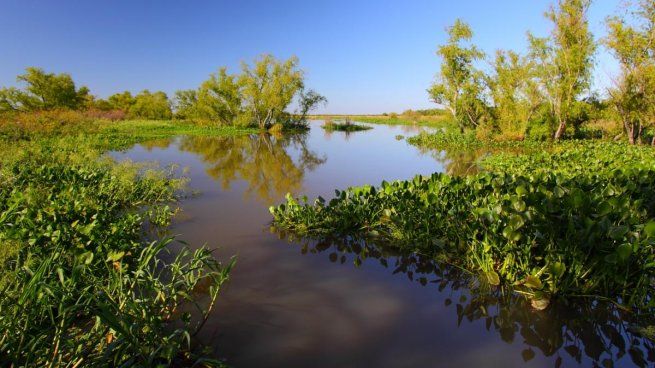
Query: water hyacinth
(79,282)
(559,232)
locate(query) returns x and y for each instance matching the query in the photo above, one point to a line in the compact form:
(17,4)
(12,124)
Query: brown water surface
(303,304)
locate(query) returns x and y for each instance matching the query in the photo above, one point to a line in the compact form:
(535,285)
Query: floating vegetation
(581,227)
(346,126)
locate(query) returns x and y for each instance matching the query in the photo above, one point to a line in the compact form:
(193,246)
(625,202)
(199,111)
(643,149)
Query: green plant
(575,221)
(83,279)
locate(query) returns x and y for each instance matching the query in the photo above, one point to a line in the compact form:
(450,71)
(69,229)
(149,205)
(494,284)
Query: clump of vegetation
(145,105)
(345,126)
(258,96)
(432,118)
(83,279)
(43,91)
(580,227)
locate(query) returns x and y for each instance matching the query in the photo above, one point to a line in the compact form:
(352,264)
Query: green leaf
(649,229)
(533,282)
(557,269)
(493,278)
(624,251)
(115,256)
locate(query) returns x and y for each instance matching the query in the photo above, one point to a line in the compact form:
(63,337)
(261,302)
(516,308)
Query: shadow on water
(591,333)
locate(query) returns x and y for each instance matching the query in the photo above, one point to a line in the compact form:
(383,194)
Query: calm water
(300,304)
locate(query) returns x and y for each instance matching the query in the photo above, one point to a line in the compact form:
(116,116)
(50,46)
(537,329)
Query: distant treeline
(546,93)
(259,96)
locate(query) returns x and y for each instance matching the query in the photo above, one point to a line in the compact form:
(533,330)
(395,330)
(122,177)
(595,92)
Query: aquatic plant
(82,279)
(578,230)
(345,126)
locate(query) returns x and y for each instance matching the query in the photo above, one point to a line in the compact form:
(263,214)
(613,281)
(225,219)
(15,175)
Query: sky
(365,56)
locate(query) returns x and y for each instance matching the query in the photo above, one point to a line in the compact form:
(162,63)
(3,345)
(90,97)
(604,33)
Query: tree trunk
(560,130)
(652,142)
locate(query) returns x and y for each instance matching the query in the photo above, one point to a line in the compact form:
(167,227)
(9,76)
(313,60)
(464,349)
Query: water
(300,304)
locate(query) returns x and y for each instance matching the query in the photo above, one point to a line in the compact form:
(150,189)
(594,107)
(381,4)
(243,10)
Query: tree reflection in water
(591,332)
(263,160)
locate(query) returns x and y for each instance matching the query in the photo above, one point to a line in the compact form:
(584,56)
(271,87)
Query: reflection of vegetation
(263,160)
(591,333)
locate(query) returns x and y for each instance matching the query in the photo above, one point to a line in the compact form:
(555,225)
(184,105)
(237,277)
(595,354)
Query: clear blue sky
(364,56)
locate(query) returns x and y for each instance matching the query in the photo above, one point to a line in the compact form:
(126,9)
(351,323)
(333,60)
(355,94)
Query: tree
(565,60)
(260,95)
(633,93)
(307,101)
(122,101)
(514,92)
(219,98)
(268,88)
(43,91)
(185,103)
(154,106)
(460,86)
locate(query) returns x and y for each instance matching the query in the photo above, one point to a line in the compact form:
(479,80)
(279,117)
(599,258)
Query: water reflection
(588,333)
(264,161)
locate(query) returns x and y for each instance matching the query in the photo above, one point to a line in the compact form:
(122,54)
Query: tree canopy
(43,91)
(260,95)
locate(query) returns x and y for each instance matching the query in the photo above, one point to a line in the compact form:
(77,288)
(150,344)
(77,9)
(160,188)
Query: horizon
(366,58)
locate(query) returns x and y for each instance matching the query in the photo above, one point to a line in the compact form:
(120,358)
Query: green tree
(259,96)
(514,91)
(185,103)
(154,106)
(122,101)
(220,98)
(268,88)
(307,101)
(565,60)
(633,93)
(460,86)
(43,91)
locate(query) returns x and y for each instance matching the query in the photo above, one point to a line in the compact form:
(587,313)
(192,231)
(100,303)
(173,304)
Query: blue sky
(364,56)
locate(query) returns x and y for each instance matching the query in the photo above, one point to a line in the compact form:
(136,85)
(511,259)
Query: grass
(435,121)
(84,279)
(577,219)
(346,126)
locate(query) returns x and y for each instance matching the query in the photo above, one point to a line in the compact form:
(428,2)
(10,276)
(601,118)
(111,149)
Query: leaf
(618,232)
(557,269)
(493,278)
(624,251)
(540,304)
(115,256)
(520,190)
(649,229)
(533,282)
